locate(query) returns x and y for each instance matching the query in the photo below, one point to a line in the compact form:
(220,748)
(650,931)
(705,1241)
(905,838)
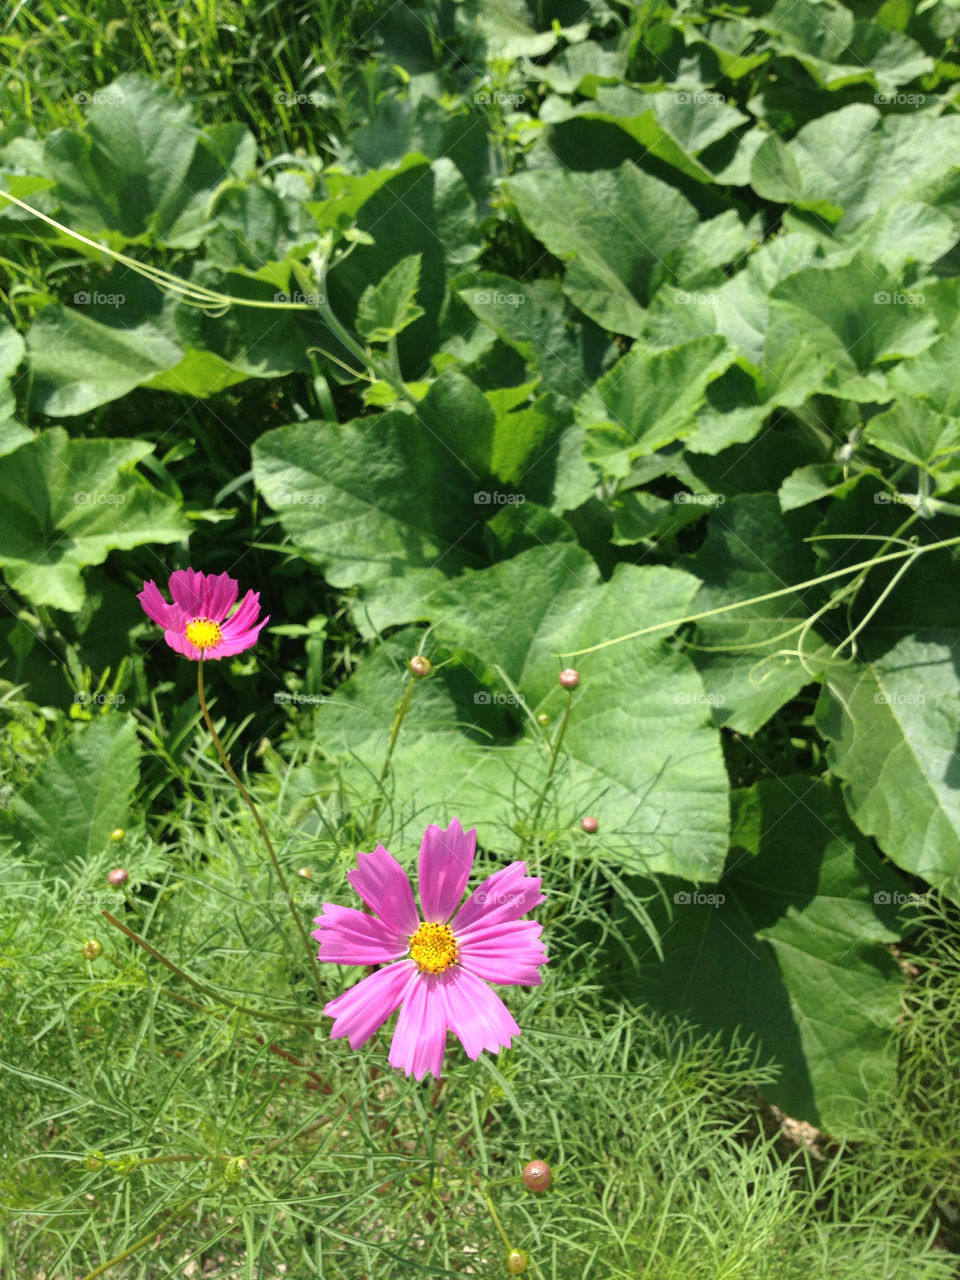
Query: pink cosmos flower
(196,624)
(437,968)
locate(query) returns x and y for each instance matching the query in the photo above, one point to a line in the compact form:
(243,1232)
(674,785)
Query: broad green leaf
(618,230)
(12,434)
(891,718)
(780,360)
(127,171)
(811,483)
(859,317)
(65,504)
(649,399)
(748,657)
(915,433)
(388,307)
(837,51)
(536,320)
(785,947)
(79,363)
(674,126)
(508,30)
(892,721)
(932,375)
(65,814)
(852,163)
(580,68)
(344,496)
(407,212)
(223,151)
(639,516)
(638,748)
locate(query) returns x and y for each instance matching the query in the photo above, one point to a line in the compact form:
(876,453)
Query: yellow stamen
(203,634)
(434,947)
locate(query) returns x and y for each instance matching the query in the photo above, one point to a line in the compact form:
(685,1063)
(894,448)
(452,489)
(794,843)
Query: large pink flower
(437,968)
(196,624)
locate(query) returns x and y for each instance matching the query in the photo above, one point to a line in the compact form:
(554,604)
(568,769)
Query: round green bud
(117,834)
(517,1262)
(92,949)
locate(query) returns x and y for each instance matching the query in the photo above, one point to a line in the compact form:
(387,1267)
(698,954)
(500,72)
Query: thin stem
(673,623)
(263,831)
(398,720)
(496,1220)
(202,986)
(554,756)
(151,1235)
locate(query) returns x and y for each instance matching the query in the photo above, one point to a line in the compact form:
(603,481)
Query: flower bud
(537,1175)
(543,718)
(589,825)
(92,949)
(118,876)
(420,666)
(569,678)
(305,873)
(94,1161)
(117,834)
(517,1262)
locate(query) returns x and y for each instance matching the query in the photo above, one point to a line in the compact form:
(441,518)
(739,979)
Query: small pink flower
(436,968)
(196,624)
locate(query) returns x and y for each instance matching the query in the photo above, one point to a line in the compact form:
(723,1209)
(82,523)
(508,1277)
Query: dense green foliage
(519,336)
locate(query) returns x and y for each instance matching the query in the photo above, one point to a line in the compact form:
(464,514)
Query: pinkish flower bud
(420,666)
(589,825)
(537,1175)
(92,949)
(117,834)
(517,1262)
(569,678)
(118,876)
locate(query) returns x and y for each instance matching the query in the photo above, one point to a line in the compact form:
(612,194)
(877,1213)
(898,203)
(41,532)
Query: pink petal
(362,1010)
(509,953)
(236,644)
(505,895)
(187,589)
(219,593)
(154,605)
(421,1036)
(475,1014)
(446,858)
(383,885)
(347,936)
(245,616)
(178,640)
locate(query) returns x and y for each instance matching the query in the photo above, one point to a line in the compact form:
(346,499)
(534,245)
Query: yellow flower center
(203,633)
(434,948)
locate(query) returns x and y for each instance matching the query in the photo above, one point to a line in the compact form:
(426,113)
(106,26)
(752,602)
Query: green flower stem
(554,756)
(496,1220)
(301,928)
(151,1234)
(398,720)
(202,986)
(673,623)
